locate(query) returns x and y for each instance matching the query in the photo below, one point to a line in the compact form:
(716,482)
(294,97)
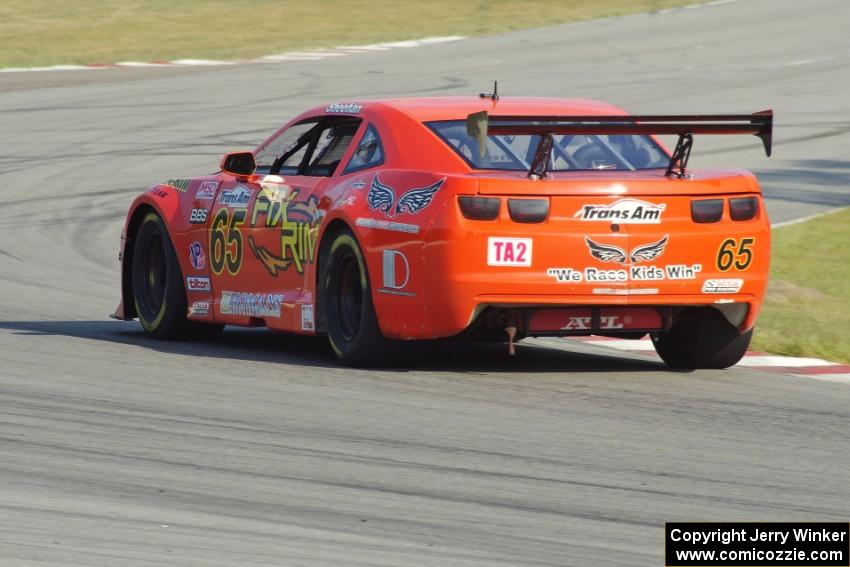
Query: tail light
(479,208)
(743,208)
(707,210)
(528,210)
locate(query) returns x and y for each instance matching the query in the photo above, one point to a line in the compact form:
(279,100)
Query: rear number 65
(735,253)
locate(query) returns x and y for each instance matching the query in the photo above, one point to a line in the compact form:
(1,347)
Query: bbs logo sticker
(198,216)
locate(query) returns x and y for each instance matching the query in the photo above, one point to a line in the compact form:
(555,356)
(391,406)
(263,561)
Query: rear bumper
(460,314)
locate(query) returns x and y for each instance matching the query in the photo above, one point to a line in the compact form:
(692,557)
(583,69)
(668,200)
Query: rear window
(577,152)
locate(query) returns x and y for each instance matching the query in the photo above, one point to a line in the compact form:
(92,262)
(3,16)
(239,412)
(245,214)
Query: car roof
(459,107)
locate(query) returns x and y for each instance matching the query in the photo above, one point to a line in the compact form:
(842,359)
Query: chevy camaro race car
(493,218)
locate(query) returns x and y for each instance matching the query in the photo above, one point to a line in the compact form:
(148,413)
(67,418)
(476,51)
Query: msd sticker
(206,191)
(508,251)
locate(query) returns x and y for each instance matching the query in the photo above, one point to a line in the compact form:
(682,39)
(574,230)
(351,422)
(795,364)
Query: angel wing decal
(606,252)
(417,199)
(648,252)
(382,198)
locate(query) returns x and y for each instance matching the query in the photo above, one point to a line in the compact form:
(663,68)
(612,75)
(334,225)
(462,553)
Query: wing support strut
(679,159)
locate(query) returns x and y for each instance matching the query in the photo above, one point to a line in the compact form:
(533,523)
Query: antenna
(495,93)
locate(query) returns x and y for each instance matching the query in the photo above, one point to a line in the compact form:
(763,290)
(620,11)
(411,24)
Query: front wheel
(350,319)
(158,291)
(702,338)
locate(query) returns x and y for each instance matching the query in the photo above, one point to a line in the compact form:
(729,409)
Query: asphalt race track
(260,450)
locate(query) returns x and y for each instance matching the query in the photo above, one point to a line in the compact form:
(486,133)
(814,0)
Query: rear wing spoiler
(760,124)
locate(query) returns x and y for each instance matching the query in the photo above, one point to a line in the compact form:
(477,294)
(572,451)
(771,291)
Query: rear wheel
(158,291)
(702,338)
(349,313)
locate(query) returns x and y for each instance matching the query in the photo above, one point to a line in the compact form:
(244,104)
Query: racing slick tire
(158,292)
(702,338)
(350,320)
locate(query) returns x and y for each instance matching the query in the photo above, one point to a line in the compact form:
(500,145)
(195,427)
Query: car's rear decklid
(619,183)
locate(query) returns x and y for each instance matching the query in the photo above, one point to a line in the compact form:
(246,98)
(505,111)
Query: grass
(47,32)
(807,311)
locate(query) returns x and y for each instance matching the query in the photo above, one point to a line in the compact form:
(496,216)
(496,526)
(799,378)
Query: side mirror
(239,163)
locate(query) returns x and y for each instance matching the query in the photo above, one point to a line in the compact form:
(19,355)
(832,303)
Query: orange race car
(496,218)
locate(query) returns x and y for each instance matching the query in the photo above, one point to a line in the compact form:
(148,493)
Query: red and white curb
(289,56)
(795,366)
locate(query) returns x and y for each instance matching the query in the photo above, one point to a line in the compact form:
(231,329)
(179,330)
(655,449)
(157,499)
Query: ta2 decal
(508,251)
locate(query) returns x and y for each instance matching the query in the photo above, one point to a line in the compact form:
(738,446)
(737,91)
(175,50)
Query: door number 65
(226,241)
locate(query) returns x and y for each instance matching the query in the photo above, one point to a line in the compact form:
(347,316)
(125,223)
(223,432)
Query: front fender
(163,200)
